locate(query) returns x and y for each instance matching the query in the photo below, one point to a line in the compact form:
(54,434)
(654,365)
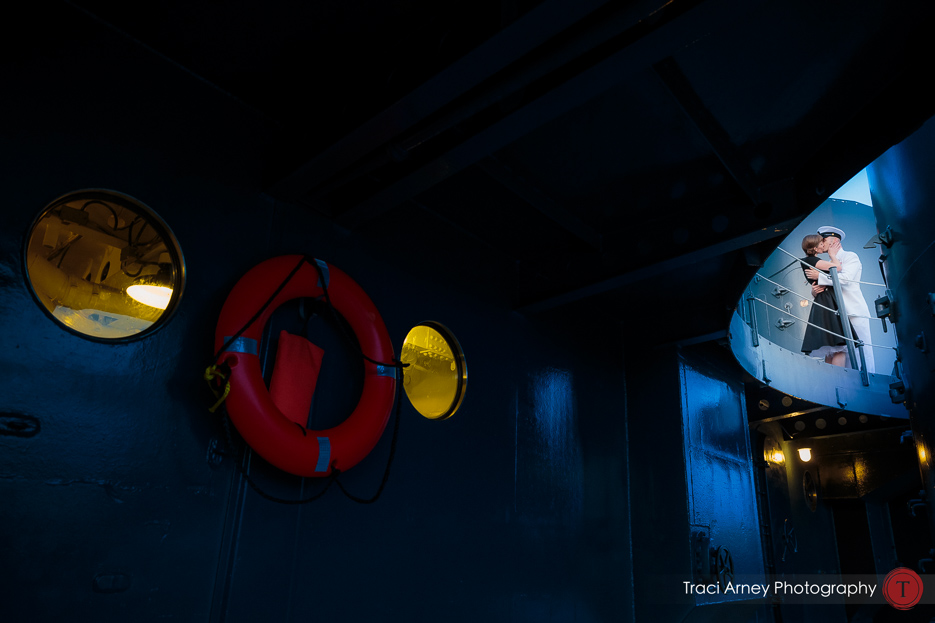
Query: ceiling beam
(534,29)
(717,138)
(640,48)
(544,204)
(659,269)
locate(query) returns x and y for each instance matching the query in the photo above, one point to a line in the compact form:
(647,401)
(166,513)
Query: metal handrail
(804,263)
(841,313)
(849,339)
(798,259)
(843,337)
(839,295)
(803,296)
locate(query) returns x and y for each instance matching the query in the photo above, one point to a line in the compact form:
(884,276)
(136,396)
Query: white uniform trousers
(862,328)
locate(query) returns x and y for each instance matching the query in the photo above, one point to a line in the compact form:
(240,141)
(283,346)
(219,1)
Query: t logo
(902,588)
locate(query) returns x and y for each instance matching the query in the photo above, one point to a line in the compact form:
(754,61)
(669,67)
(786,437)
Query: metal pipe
(842,313)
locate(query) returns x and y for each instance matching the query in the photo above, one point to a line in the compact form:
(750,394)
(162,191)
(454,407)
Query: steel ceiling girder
(659,269)
(641,47)
(544,22)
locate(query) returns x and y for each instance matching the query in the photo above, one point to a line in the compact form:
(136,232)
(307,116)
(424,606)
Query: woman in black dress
(818,343)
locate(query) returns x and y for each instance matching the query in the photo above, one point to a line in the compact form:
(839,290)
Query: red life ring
(277,439)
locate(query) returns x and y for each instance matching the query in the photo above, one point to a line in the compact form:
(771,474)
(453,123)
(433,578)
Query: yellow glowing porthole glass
(103,265)
(436,378)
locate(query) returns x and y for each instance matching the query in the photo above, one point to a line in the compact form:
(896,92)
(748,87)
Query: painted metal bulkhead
(590,458)
(117,504)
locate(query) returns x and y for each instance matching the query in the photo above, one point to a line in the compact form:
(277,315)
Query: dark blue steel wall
(691,472)
(903,193)
(516,509)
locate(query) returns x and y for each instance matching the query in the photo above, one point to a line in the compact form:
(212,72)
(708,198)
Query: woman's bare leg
(839,359)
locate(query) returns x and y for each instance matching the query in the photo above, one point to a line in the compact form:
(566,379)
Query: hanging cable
(239,461)
(783,269)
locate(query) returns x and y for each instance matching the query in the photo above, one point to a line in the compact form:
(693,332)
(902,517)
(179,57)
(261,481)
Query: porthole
(436,378)
(103,265)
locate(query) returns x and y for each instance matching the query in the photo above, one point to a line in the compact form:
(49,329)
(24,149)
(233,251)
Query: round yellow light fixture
(436,378)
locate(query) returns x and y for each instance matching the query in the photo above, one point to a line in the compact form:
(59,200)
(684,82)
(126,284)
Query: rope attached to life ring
(212,374)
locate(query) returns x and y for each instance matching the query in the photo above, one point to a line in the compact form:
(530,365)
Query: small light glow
(922,453)
(803,303)
(777,457)
(772,453)
(805,454)
(154,296)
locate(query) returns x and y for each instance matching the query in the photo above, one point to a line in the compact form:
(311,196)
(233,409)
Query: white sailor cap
(827,230)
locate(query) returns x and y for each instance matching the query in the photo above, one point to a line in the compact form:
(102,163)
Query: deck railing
(855,347)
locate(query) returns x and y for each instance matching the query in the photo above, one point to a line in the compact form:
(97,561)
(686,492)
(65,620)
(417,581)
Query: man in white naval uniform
(849,276)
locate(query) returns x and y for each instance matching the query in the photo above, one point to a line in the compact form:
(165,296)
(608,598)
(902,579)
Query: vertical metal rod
(756,336)
(842,313)
(864,377)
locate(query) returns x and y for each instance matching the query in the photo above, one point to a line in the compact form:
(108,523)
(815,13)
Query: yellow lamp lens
(436,377)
